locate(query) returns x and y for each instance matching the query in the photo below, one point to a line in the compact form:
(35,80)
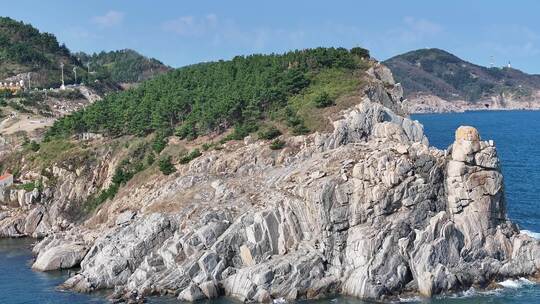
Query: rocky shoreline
(368,210)
(428,104)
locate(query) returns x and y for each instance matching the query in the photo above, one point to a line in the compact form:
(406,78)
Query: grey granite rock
(64,256)
(367,210)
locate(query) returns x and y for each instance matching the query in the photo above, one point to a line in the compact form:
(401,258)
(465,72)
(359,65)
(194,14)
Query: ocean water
(517,137)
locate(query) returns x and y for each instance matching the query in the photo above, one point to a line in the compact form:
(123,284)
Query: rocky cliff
(368,210)
(55,200)
(427,103)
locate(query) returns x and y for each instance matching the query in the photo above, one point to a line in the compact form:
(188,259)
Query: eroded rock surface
(368,210)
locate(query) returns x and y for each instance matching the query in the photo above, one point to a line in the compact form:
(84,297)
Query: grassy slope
(212,97)
(340,84)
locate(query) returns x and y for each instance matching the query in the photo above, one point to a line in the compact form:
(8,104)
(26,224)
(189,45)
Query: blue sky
(184,32)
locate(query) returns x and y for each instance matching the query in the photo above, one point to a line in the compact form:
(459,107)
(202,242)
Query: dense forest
(212,97)
(24,49)
(124,66)
(21,42)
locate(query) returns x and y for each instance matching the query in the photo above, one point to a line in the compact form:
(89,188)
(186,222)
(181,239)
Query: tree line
(210,97)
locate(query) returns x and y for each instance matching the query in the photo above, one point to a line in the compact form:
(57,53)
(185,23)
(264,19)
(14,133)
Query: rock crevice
(368,210)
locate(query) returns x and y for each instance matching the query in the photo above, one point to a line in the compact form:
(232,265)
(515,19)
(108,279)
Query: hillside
(123,66)
(291,89)
(439,73)
(25,49)
(364,209)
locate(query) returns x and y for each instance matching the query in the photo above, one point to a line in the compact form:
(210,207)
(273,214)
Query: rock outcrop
(427,103)
(368,210)
(58,202)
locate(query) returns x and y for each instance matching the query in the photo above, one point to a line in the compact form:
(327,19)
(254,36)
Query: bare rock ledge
(369,210)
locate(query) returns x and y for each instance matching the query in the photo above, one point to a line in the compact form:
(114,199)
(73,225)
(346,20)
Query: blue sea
(516,135)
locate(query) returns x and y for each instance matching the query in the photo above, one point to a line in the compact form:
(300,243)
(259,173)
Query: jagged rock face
(369,210)
(40,212)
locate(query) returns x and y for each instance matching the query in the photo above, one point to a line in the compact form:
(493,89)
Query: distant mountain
(437,72)
(124,66)
(25,49)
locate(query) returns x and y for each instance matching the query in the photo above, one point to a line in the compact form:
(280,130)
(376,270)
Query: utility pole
(63,87)
(75,71)
(88,74)
(29,83)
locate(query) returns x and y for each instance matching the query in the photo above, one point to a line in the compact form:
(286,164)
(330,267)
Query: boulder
(191,294)
(63,256)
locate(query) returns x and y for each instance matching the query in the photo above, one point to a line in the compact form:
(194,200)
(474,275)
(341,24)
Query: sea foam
(535,235)
(416,299)
(514,284)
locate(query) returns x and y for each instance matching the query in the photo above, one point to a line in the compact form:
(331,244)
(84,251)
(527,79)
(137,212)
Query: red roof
(7,175)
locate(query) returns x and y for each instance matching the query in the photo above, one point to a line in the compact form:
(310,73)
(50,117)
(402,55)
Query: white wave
(472,292)
(411,299)
(514,284)
(279,301)
(535,235)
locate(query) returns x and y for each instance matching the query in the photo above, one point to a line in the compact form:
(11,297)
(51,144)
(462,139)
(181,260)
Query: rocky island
(366,209)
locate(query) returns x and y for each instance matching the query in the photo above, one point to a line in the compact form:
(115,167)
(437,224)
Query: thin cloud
(422,26)
(192,26)
(79,33)
(110,19)
(506,42)
(415,30)
(224,31)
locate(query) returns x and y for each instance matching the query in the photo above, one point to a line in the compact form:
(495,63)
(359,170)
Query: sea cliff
(368,210)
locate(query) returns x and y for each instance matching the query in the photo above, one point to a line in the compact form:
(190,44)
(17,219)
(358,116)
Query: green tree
(323,100)
(211,97)
(166,166)
(277,144)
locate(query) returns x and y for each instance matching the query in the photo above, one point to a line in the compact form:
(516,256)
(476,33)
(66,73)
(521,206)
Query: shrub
(159,143)
(120,176)
(243,130)
(166,166)
(95,201)
(323,100)
(186,131)
(269,133)
(300,129)
(124,172)
(150,159)
(34,146)
(190,156)
(277,144)
(30,186)
(207,146)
